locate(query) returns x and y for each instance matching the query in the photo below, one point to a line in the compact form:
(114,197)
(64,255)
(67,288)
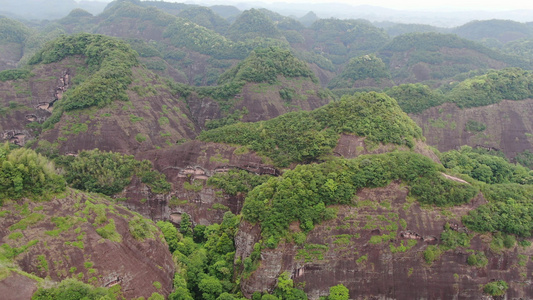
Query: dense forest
(159,150)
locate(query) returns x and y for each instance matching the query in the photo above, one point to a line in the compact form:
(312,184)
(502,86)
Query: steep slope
(420,57)
(490,111)
(305,136)
(504,126)
(197,169)
(49,231)
(12,37)
(268,83)
(377,248)
(74,96)
(57,239)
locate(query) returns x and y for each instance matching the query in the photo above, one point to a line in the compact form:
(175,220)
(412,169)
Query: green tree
(226,296)
(24,173)
(71,289)
(338,292)
(186,225)
(496,288)
(170,233)
(210,287)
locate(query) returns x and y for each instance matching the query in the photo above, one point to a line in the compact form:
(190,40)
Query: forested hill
(195,45)
(159,150)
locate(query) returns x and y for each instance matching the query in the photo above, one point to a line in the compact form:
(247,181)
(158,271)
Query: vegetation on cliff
(361,68)
(313,187)
(109,60)
(72,289)
(38,230)
(12,31)
(481,90)
(414,98)
(265,65)
(204,258)
(509,84)
(305,136)
(425,48)
(344,39)
(109,173)
(200,41)
(485,168)
(252,24)
(24,173)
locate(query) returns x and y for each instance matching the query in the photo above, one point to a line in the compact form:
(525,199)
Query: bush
(432,253)
(477,260)
(24,173)
(474,126)
(496,288)
(71,289)
(109,172)
(484,167)
(338,292)
(14,74)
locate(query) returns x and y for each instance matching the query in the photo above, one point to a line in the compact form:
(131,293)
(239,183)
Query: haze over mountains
(441,16)
(157,150)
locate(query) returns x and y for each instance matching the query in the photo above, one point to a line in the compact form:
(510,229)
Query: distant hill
(417,57)
(503,31)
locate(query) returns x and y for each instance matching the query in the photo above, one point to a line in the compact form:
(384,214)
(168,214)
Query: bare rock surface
(509,126)
(376,247)
(93,242)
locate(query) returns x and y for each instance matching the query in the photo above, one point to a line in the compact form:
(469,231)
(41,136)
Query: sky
(485,5)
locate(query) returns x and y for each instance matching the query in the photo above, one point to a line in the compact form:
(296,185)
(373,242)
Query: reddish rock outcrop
(353,250)
(80,250)
(188,167)
(352,146)
(509,126)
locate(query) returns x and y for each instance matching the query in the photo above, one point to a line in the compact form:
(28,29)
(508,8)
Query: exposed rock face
(153,117)
(405,68)
(188,167)
(509,126)
(80,250)
(349,250)
(324,76)
(262,101)
(32,100)
(352,146)
(16,287)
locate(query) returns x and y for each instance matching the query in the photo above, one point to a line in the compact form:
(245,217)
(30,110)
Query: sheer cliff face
(188,167)
(87,237)
(507,124)
(350,250)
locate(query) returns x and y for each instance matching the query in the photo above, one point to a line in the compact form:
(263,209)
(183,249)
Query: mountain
(502,30)
(49,231)
(420,57)
(169,150)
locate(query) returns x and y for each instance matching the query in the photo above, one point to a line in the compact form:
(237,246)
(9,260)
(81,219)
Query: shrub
(24,173)
(109,173)
(496,288)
